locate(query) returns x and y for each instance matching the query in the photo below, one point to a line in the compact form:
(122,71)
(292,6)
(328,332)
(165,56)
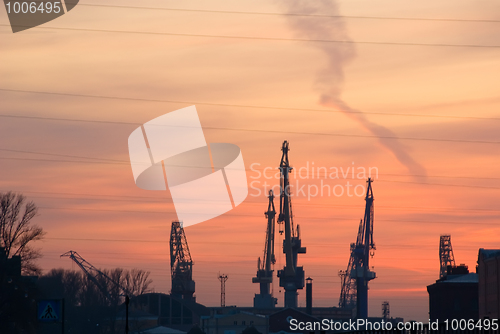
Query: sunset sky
(426,72)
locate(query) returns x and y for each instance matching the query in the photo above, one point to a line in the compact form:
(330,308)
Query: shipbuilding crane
(355,279)
(100,279)
(291,276)
(265,299)
(181,264)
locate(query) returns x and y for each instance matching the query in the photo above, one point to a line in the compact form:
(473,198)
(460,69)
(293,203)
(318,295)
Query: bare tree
(87,304)
(137,281)
(17,232)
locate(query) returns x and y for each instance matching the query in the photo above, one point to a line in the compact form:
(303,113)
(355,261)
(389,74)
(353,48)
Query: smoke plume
(330,79)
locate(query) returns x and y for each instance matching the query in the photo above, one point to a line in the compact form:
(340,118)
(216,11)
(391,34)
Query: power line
(162,269)
(54,160)
(354,136)
(296,14)
(381,180)
(332,244)
(62,155)
(218,105)
(316,175)
(237,215)
(445,176)
(282,132)
(130,198)
(152,33)
(440,184)
(149,257)
(117,162)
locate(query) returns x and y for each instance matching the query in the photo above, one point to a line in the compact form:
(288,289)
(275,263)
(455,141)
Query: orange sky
(93,206)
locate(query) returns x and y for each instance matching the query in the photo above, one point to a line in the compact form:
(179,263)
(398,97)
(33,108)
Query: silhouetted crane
(100,279)
(181,264)
(291,276)
(355,279)
(265,299)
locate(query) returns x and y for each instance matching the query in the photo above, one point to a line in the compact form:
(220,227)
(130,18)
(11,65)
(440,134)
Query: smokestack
(309,295)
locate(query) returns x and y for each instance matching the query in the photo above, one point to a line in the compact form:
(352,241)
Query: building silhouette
(488,264)
(454,296)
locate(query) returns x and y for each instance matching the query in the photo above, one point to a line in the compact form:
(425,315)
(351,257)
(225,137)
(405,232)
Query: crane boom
(269,258)
(264,268)
(354,291)
(291,276)
(97,276)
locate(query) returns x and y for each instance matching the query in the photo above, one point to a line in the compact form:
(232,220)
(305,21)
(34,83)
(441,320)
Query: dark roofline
(488,253)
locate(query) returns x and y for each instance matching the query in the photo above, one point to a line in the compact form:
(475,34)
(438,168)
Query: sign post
(51,311)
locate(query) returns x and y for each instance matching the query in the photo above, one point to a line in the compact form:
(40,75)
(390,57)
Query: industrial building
(454,296)
(455,293)
(279,322)
(235,319)
(234,322)
(488,265)
(170,311)
(17,291)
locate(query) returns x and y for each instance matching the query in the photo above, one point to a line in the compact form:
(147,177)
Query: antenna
(222,279)
(386,311)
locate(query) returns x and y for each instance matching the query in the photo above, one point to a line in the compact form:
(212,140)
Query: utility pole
(127,302)
(222,279)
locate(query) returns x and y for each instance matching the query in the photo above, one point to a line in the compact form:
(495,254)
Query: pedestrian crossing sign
(49,310)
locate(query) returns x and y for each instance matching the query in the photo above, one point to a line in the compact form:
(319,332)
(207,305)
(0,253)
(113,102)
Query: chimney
(309,295)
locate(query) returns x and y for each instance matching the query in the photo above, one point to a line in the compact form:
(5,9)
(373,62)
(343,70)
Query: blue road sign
(49,310)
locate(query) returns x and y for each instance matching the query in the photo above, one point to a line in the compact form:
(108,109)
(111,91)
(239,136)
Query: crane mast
(181,264)
(265,299)
(291,276)
(355,279)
